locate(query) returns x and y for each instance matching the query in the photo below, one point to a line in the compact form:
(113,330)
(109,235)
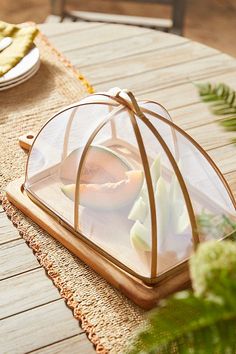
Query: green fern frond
(202,321)
(229,123)
(222,102)
(188,325)
(211,225)
(219,94)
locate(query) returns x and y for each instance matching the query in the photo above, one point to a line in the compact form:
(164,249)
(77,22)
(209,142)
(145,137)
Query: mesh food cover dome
(135,189)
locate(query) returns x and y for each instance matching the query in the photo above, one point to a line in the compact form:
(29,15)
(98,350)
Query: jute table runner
(105,314)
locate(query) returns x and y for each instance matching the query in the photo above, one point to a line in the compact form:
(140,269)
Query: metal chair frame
(176,25)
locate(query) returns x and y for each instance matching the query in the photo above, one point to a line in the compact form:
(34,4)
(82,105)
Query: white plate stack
(27,67)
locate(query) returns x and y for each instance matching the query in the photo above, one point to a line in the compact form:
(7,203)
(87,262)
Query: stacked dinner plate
(26,68)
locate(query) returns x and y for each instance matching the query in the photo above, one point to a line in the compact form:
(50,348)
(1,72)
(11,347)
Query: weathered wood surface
(7,233)
(156,66)
(38,327)
(40,291)
(77,344)
(15,259)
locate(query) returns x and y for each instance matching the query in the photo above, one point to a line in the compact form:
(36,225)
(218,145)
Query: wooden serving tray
(143,295)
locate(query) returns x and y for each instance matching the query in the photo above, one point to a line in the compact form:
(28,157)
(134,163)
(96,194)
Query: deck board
(174,75)
(185,94)
(92,36)
(7,232)
(45,324)
(56,30)
(231,179)
(225,158)
(217,138)
(77,344)
(16,258)
(40,291)
(121,48)
(142,63)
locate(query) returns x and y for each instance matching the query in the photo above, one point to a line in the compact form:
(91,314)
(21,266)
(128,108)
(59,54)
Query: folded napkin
(23,38)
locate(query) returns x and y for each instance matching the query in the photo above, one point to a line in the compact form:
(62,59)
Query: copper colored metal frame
(134,110)
(82,159)
(148,178)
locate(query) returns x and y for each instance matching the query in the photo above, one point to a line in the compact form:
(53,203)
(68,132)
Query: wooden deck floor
(27,296)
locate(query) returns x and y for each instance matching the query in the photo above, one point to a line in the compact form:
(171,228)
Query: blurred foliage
(211,226)
(222,102)
(198,322)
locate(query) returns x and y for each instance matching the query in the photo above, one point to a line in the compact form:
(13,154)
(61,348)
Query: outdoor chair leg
(57,8)
(178,16)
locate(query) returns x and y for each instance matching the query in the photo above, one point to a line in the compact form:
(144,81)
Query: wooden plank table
(154,65)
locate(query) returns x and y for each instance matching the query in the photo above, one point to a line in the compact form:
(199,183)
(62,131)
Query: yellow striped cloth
(23,38)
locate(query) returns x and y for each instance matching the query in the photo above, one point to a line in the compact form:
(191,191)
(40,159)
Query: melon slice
(108,196)
(101,165)
(171,214)
(140,231)
(144,194)
(140,237)
(138,211)
(141,206)
(179,212)
(156,169)
(162,210)
(180,217)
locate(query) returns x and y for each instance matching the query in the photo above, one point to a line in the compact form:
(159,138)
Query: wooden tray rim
(144,295)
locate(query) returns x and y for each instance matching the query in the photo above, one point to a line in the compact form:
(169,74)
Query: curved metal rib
(148,178)
(83,156)
(54,117)
(180,179)
(200,149)
(178,174)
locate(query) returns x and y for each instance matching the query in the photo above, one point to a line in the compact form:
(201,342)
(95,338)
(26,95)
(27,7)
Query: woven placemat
(108,318)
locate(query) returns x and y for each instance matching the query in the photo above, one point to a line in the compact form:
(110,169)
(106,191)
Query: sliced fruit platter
(109,183)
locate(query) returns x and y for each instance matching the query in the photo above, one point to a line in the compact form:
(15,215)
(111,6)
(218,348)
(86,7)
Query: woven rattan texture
(105,314)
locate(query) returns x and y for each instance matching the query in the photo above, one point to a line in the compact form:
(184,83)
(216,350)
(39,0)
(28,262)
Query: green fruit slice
(139,236)
(162,210)
(178,213)
(156,169)
(138,211)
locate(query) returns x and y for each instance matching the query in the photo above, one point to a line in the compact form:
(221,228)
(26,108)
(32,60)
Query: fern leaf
(229,123)
(188,325)
(219,94)
(222,102)
(199,322)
